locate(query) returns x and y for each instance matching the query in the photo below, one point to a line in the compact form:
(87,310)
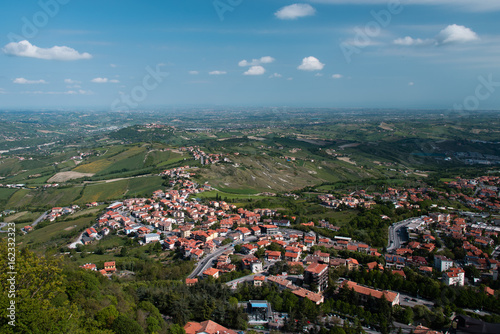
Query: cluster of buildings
(205,158)
(401,198)
(91,234)
(61,211)
(474,238)
(79,158)
(177,173)
(349,201)
(108,268)
(13,186)
(486,190)
(197,229)
(53,214)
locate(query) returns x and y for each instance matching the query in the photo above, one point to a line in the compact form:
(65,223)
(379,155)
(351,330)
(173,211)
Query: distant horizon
(229,108)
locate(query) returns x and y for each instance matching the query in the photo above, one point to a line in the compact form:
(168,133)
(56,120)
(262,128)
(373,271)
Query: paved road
(77,242)
(207,262)
(39,219)
(247,278)
(2,225)
(481,313)
(396,233)
(407,300)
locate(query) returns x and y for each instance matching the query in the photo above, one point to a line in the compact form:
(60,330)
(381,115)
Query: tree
(407,315)
(38,282)
(176,329)
(125,325)
(471,272)
(123,251)
(107,316)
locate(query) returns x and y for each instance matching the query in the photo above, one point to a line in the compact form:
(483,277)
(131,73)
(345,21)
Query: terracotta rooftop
(209,327)
(317,268)
(312,296)
(390,296)
(211,271)
(190,281)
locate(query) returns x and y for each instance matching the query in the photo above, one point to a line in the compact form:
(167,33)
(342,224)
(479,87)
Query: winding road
(207,262)
(396,234)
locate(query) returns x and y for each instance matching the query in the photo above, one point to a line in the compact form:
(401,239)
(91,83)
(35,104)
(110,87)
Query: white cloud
(468,5)
(295,11)
(104,80)
(69,92)
(2,91)
(267,60)
(452,34)
(255,70)
(290,79)
(409,41)
(275,75)
(411,83)
(311,64)
(361,43)
(255,62)
(217,72)
(112,65)
(456,34)
(337,76)
(81,92)
(194,72)
(318,75)
(23,81)
(26,49)
(71,81)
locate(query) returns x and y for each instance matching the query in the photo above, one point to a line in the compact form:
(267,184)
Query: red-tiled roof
(190,281)
(390,296)
(317,268)
(209,327)
(211,271)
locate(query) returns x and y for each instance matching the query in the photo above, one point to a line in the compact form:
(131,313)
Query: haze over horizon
(122,55)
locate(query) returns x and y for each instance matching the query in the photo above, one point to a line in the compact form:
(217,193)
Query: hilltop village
(261,246)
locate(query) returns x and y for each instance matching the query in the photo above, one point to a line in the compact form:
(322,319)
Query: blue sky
(436,54)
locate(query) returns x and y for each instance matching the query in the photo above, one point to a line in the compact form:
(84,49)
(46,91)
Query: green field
(106,191)
(97,192)
(119,160)
(10,166)
(44,197)
(58,233)
(5,193)
(23,217)
(16,200)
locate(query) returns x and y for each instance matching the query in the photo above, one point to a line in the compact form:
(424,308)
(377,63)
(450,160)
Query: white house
(151,237)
